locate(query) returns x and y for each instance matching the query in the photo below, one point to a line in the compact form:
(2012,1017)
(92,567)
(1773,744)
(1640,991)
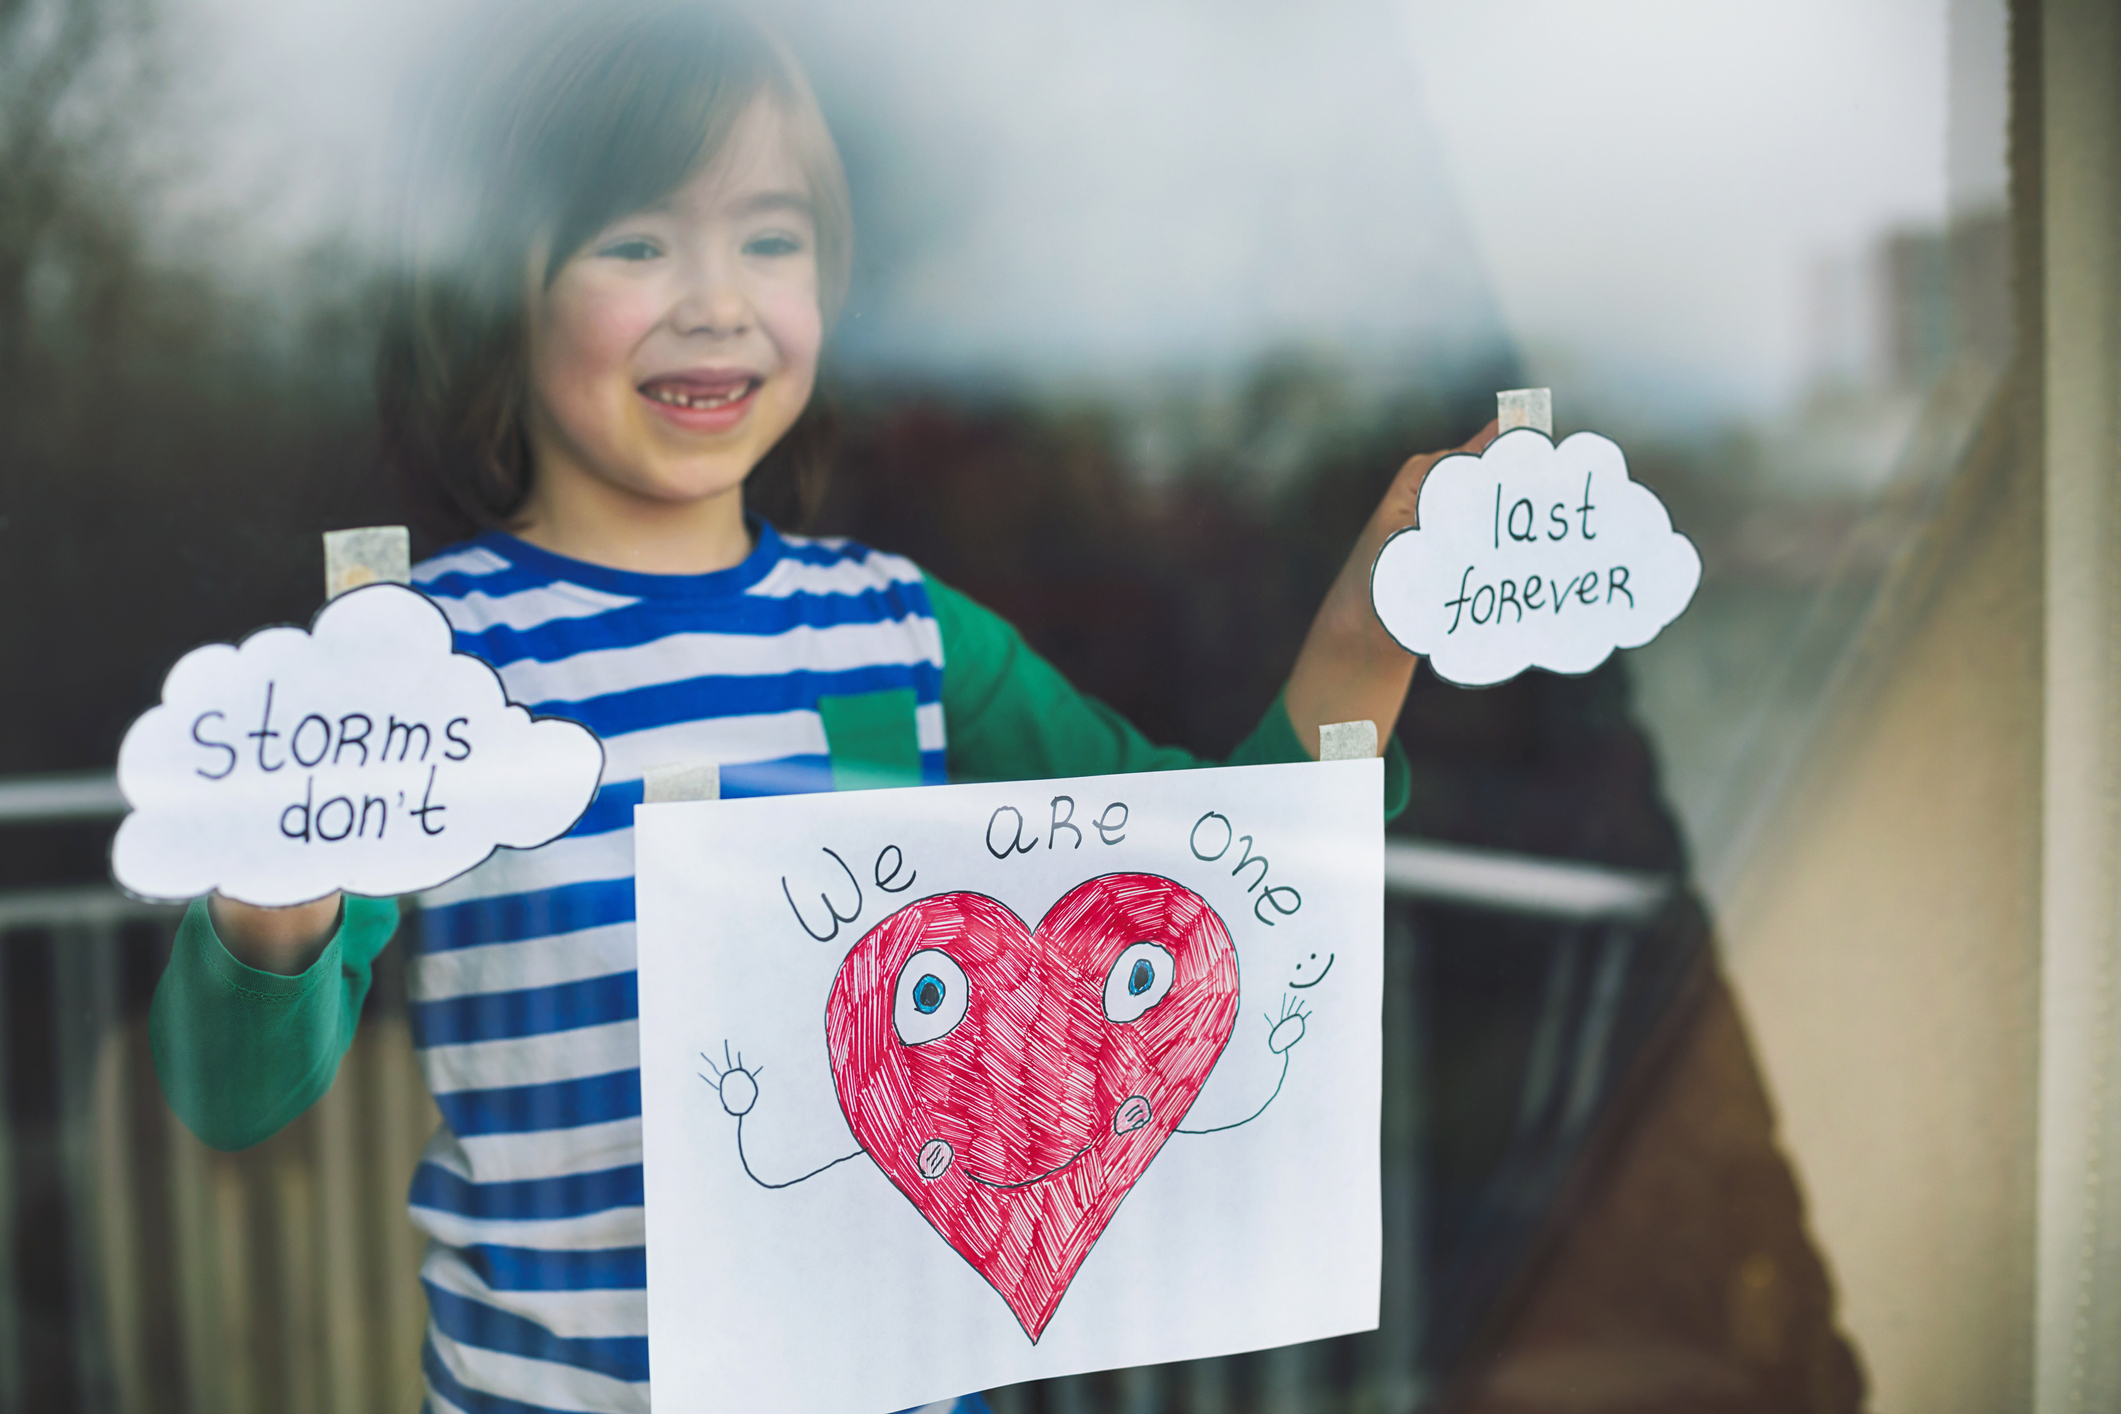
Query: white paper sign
(947,1088)
(1532,555)
(362,754)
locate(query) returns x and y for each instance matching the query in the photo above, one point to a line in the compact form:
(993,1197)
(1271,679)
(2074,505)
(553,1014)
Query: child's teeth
(704,400)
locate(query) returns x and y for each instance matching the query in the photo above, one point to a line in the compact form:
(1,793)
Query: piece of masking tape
(374,554)
(1525,407)
(664,784)
(1347,741)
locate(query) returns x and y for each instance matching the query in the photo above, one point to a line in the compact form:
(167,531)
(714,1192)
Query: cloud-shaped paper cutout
(363,754)
(1532,555)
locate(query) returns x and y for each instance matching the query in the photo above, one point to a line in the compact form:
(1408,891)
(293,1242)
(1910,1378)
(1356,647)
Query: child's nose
(712,302)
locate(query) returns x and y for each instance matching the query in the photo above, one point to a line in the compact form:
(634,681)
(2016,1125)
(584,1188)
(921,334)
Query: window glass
(1147,305)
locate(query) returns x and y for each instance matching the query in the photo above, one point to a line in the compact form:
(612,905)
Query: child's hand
(1396,511)
(282,940)
(1350,669)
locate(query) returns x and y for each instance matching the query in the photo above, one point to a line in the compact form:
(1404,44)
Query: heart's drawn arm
(1281,1039)
(738,1087)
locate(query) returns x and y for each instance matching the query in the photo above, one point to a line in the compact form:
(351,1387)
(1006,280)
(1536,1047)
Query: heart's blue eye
(928,997)
(1137,980)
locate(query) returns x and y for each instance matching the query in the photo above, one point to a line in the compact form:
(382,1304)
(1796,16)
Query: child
(622,265)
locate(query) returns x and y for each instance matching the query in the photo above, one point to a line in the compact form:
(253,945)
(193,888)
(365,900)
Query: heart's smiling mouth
(1130,1116)
(1040,1178)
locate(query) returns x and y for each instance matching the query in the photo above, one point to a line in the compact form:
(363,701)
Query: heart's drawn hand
(1290,1029)
(1282,1036)
(737,1085)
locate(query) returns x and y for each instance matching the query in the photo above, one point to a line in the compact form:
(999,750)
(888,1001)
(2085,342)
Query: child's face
(673,350)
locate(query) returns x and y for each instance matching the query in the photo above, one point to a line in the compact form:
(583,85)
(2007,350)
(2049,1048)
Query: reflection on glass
(1147,304)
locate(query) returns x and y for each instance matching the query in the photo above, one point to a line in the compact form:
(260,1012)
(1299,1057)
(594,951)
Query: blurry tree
(171,440)
(76,79)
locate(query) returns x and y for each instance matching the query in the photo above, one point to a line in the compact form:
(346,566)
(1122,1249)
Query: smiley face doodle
(1014,1083)
(1300,983)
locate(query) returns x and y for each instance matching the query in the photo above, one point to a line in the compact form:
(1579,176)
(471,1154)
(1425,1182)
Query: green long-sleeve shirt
(240,1052)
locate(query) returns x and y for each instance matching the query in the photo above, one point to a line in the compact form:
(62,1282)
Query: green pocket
(872,738)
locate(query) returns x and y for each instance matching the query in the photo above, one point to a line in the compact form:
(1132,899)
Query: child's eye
(631,248)
(778,243)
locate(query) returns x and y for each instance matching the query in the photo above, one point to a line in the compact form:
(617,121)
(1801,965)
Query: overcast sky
(1632,191)
(1650,180)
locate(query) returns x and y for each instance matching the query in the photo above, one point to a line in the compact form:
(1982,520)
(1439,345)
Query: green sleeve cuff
(243,979)
(239,1051)
(1274,741)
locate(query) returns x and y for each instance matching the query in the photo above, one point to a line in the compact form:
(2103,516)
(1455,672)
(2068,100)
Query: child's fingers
(1404,496)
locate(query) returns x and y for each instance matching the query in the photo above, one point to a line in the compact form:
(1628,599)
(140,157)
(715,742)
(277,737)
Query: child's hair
(550,121)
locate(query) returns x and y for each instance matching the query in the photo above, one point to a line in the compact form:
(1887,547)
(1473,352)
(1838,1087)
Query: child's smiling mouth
(703,402)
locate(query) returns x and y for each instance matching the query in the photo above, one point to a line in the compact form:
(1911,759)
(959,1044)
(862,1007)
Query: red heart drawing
(1014,1084)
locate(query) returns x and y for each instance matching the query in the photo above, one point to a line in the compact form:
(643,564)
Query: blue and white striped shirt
(523,991)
